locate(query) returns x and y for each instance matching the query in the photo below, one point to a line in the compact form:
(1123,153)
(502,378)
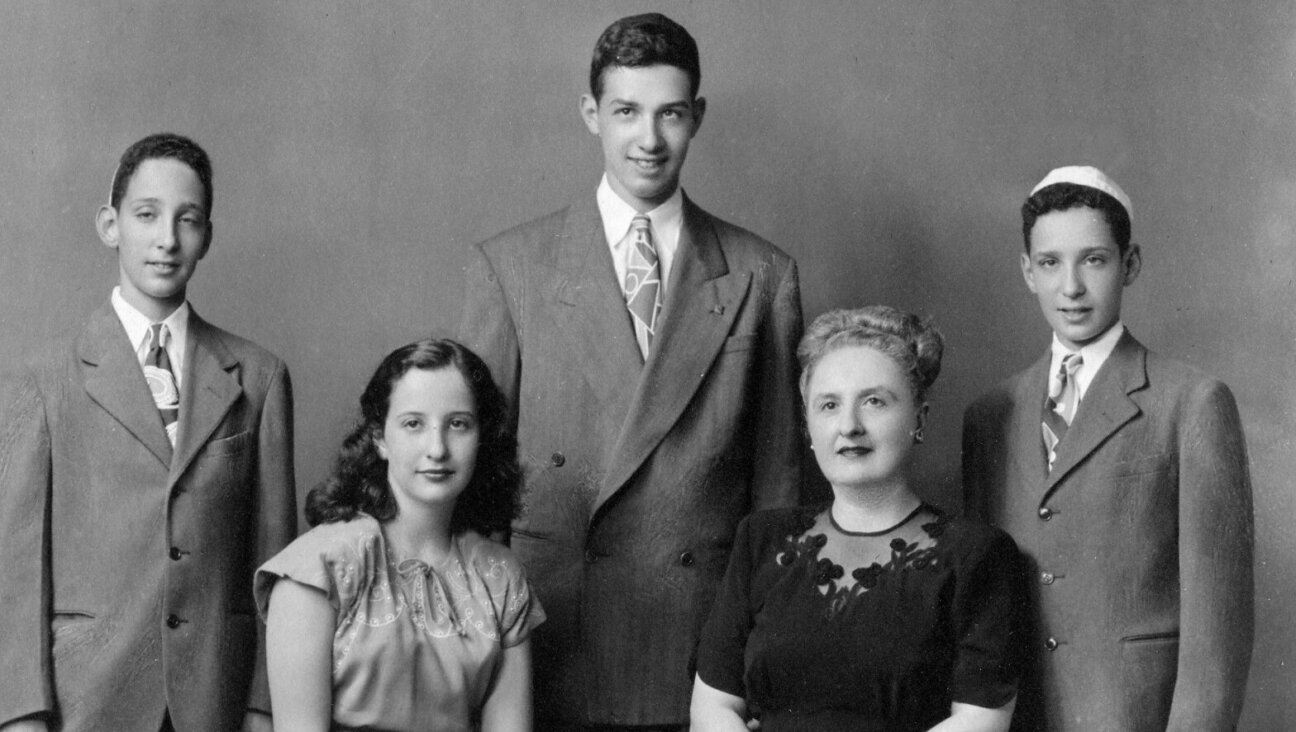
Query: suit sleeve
(974,482)
(25,467)
(1215,564)
(487,327)
(277,500)
(777,473)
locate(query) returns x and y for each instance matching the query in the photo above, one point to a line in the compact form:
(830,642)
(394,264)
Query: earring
(917,435)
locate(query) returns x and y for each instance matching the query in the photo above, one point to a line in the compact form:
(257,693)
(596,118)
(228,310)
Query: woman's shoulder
(488,558)
(359,537)
(782,521)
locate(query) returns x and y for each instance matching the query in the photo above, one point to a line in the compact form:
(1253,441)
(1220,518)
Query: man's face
(645,120)
(1076,270)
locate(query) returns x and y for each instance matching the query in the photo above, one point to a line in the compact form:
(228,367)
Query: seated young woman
(876,611)
(396,612)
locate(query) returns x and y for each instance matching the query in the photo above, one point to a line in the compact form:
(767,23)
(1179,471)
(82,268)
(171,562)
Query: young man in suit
(145,472)
(1123,477)
(648,349)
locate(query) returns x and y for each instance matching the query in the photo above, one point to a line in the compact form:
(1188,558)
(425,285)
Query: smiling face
(1076,270)
(645,120)
(429,439)
(160,231)
(861,412)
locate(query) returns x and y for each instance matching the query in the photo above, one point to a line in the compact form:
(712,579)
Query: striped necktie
(161,380)
(1061,404)
(642,286)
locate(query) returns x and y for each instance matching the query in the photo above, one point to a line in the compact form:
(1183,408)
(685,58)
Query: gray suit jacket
(637,473)
(1139,542)
(127,575)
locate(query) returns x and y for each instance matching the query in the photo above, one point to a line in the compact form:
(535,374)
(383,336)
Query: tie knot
(640,223)
(157,335)
(1071,363)
(1066,372)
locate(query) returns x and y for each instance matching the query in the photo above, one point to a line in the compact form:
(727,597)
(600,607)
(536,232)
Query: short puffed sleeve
(514,605)
(339,559)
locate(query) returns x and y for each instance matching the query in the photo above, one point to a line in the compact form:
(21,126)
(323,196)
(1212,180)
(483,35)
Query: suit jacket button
(1047,578)
(1051,644)
(1045,513)
(591,556)
(686,559)
(175,553)
(173,621)
(557,459)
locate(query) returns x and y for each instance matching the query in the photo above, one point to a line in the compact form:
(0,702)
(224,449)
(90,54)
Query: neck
(873,508)
(425,537)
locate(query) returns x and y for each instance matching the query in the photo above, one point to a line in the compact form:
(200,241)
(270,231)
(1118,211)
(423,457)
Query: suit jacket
(1139,543)
(637,473)
(127,574)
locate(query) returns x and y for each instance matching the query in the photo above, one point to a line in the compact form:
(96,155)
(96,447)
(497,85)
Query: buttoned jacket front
(1139,542)
(637,472)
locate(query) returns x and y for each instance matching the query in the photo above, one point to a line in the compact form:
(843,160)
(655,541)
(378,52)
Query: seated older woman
(876,611)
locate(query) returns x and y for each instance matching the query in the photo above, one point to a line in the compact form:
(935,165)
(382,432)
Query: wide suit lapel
(211,386)
(590,310)
(115,381)
(703,297)
(1106,407)
(1029,457)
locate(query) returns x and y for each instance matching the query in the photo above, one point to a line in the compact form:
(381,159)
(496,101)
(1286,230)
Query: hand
(252,722)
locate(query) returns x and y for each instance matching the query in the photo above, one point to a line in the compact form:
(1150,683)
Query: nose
(650,137)
(849,423)
(1072,283)
(437,448)
(169,235)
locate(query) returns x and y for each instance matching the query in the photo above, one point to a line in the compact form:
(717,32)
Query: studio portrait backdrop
(360,149)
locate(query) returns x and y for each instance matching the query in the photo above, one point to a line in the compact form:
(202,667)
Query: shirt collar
(617,214)
(137,324)
(1094,355)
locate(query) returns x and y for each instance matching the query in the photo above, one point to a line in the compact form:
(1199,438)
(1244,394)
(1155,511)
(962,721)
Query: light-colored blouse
(415,646)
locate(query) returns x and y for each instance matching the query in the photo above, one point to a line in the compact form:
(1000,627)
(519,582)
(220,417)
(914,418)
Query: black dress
(824,629)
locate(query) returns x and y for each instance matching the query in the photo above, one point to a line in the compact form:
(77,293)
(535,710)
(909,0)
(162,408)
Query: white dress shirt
(667,220)
(137,330)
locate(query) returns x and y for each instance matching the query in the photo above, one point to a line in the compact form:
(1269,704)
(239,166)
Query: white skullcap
(1090,177)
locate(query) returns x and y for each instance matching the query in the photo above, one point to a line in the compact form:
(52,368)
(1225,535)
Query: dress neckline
(833,520)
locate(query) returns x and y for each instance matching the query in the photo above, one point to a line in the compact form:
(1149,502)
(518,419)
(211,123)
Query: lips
(854,451)
(438,474)
(648,164)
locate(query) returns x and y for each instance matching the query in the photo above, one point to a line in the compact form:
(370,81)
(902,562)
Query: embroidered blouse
(416,646)
(824,629)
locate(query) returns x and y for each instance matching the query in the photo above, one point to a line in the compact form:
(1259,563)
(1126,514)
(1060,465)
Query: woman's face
(861,413)
(430,438)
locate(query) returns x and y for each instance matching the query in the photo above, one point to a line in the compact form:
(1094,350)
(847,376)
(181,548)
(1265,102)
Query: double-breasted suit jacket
(637,472)
(1139,542)
(127,574)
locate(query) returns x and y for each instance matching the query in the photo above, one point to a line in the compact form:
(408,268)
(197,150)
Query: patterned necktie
(161,380)
(1061,404)
(642,281)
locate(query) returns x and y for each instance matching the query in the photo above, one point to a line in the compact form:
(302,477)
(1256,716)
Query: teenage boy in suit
(1123,477)
(648,349)
(145,472)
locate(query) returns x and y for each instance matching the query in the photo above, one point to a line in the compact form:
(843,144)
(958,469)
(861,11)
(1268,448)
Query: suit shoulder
(743,242)
(524,236)
(247,351)
(1171,376)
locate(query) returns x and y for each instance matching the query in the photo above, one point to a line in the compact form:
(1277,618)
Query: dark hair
(163,145)
(1064,196)
(645,40)
(912,342)
(359,481)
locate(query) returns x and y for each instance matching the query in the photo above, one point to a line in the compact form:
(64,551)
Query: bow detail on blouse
(414,574)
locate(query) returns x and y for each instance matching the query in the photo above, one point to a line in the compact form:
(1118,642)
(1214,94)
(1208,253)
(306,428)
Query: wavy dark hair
(163,145)
(359,482)
(1066,196)
(644,40)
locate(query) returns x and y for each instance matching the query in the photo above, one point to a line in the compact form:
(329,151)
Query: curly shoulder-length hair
(359,481)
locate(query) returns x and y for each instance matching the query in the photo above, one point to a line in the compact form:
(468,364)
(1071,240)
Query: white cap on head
(1090,177)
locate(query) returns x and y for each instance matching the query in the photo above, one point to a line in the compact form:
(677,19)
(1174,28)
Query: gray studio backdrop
(361,148)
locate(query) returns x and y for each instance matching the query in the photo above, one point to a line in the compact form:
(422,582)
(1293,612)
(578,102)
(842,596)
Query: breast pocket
(739,343)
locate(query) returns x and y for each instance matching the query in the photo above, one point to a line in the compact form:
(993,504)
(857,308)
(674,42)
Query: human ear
(1027,273)
(589,112)
(699,111)
(207,239)
(106,226)
(1132,264)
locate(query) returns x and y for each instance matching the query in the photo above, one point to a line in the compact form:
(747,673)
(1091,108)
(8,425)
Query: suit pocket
(1149,663)
(75,634)
(228,445)
(739,343)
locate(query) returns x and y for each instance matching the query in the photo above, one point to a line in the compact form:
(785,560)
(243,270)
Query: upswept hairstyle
(359,481)
(912,342)
(163,145)
(1064,196)
(645,40)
